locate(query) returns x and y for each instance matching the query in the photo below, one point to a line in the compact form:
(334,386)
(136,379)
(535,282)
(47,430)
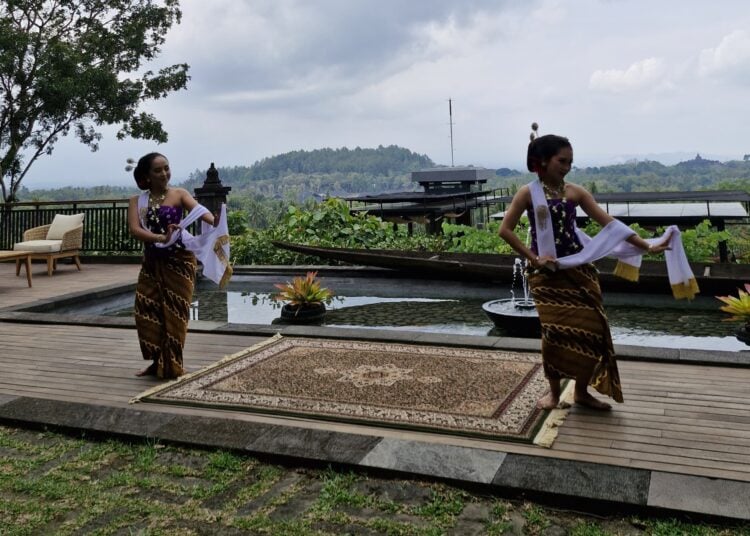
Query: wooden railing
(105,227)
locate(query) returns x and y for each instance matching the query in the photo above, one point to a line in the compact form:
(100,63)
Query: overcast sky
(621,78)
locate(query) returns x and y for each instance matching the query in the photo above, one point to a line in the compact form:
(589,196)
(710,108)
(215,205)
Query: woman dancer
(167,276)
(576,341)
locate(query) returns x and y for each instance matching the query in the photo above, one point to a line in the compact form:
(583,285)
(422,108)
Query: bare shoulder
(523,193)
(183,195)
(575,192)
(187,200)
(575,187)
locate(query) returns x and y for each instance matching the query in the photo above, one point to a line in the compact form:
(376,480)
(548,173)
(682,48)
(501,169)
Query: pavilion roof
(416,197)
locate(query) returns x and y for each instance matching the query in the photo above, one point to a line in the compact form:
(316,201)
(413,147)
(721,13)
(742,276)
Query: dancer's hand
(660,246)
(545,262)
(171,229)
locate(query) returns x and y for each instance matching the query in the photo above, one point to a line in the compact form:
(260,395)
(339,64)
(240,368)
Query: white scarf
(612,241)
(211,247)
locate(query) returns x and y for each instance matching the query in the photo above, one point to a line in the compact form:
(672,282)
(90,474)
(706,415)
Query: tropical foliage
(325,224)
(465,239)
(701,241)
(330,224)
(739,306)
(303,291)
(68,66)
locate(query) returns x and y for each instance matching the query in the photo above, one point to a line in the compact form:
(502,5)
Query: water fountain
(515,316)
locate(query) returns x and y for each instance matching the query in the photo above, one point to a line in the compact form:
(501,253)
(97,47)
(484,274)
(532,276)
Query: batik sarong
(162,309)
(575,332)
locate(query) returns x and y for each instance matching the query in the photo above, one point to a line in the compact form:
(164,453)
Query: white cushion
(39,246)
(62,224)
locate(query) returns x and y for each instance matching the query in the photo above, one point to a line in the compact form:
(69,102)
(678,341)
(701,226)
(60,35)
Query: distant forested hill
(77,193)
(649,176)
(696,174)
(300,174)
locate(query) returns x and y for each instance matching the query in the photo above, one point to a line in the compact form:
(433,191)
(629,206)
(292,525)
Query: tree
(75,64)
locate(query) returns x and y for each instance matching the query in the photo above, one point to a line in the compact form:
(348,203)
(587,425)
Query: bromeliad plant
(303,292)
(738,306)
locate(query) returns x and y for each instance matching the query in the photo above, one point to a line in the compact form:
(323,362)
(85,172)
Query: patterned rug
(474,392)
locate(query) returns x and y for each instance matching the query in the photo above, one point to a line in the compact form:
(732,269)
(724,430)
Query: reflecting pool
(456,307)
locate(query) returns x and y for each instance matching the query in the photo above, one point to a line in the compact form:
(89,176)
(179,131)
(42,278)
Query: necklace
(155,201)
(557,210)
(554,193)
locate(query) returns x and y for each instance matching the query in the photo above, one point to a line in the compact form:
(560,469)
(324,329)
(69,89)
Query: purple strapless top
(158,223)
(566,242)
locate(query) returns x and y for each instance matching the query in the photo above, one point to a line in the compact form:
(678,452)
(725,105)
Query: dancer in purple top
(576,340)
(167,277)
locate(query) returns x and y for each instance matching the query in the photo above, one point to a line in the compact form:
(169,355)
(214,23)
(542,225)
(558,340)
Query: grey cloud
(325,51)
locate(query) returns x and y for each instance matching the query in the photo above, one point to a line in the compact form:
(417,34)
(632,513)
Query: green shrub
(330,224)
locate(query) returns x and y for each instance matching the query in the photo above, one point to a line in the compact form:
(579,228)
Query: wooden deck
(687,419)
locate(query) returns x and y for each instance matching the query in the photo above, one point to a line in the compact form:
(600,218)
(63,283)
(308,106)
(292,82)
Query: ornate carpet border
(534,425)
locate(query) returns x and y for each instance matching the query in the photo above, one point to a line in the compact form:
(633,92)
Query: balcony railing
(105,223)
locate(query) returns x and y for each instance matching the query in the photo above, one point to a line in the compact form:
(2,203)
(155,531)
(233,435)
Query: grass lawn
(57,484)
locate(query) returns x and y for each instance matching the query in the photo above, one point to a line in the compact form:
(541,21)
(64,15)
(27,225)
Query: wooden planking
(631,435)
(87,364)
(688,449)
(729,408)
(66,279)
(677,417)
(674,458)
(697,428)
(689,470)
(722,444)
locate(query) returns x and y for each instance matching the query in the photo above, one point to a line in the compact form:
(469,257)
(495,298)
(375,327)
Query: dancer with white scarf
(167,277)
(576,340)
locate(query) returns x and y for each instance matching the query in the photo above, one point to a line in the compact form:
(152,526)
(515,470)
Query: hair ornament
(534,131)
(130,166)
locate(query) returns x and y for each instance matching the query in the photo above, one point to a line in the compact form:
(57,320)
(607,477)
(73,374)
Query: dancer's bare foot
(589,401)
(548,401)
(148,371)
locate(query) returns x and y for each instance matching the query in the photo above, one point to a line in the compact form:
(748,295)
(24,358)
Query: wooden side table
(18,256)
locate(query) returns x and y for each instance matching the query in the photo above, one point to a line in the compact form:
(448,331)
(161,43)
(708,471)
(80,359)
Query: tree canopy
(77,64)
(302,174)
(380,161)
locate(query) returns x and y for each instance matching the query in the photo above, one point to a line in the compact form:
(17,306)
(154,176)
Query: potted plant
(739,308)
(304,299)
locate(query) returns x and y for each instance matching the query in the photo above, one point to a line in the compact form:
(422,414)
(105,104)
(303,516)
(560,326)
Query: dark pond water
(436,306)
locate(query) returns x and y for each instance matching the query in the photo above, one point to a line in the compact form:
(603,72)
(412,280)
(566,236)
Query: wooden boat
(713,278)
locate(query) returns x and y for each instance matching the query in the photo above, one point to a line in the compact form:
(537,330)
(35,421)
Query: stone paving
(56,484)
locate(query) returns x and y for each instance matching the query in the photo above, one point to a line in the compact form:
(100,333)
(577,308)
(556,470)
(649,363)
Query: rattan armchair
(66,242)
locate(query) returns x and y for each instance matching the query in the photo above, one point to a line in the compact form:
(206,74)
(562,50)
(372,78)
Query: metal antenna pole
(450,122)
